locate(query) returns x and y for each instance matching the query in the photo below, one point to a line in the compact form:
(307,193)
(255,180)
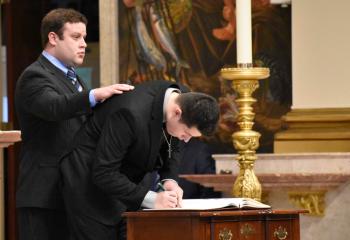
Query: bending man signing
(126,137)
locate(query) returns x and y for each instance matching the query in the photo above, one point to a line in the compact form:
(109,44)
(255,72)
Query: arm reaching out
(103,93)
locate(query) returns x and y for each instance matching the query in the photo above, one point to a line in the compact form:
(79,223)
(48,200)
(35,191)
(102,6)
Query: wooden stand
(214,225)
(7,138)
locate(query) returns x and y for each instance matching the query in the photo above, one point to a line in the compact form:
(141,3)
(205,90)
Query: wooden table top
(211,213)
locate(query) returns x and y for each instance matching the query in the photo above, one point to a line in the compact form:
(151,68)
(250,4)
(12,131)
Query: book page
(251,203)
(211,203)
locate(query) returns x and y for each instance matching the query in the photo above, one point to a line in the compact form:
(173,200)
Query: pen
(160,187)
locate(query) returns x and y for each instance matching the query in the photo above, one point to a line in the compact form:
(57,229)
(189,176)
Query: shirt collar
(166,99)
(57,63)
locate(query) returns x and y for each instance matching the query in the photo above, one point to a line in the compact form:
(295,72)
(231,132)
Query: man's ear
(178,112)
(52,38)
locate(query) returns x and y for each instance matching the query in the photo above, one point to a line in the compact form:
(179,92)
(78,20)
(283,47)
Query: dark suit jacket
(50,111)
(195,158)
(115,149)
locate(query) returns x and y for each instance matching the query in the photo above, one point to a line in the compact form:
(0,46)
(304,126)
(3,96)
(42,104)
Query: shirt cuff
(92,99)
(149,200)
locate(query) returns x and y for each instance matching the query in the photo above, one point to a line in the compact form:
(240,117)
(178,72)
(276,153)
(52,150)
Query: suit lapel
(59,75)
(82,83)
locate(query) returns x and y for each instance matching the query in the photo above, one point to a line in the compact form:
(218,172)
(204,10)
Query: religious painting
(190,41)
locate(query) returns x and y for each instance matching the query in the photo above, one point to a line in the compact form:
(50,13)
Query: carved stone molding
(303,163)
(312,201)
(306,191)
(306,177)
(278,181)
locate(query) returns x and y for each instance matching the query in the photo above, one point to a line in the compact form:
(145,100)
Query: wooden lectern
(214,225)
(7,138)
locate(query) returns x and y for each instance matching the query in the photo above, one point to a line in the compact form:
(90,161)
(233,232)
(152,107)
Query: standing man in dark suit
(52,104)
(127,137)
(195,158)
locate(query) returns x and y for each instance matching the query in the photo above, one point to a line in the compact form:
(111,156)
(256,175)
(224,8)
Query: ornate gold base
(246,141)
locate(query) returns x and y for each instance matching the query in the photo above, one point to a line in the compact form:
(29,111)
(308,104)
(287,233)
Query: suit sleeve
(117,136)
(41,96)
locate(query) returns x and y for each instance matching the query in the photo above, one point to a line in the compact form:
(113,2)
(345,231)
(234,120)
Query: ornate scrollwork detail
(225,234)
(312,201)
(247,230)
(245,125)
(247,185)
(281,233)
(243,143)
(245,87)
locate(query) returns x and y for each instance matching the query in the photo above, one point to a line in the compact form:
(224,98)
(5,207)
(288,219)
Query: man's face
(178,129)
(71,49)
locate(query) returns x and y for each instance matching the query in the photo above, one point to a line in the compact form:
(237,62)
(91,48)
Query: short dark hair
(199,110)
(55,20)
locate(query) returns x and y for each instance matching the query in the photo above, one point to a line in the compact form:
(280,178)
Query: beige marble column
(109,51)
(320,117)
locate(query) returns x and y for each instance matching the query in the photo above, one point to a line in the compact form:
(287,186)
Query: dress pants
(42,224)
(85,228)
(121,230)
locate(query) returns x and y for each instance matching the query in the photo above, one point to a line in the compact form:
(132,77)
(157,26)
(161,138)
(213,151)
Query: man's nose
(83,43)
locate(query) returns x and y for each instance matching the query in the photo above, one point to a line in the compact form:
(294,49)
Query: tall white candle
(244,31)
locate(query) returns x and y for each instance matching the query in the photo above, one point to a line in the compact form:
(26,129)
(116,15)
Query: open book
(219,203)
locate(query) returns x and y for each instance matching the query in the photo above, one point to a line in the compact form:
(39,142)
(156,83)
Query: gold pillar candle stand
(245,80)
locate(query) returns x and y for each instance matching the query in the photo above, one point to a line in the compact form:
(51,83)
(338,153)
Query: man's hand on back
(103,93)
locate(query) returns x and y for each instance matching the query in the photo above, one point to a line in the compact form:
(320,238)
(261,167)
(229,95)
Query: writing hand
(166,199)
(173,186)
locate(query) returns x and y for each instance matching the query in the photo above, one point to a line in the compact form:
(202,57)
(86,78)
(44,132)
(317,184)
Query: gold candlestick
(246,141)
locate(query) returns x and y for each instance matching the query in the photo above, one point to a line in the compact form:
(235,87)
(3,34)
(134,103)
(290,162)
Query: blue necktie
(73,77)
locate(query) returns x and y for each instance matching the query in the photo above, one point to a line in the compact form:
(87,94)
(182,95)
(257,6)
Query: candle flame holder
(245,80)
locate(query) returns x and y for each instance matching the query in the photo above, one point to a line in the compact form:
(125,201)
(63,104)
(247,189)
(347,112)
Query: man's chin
(79,62)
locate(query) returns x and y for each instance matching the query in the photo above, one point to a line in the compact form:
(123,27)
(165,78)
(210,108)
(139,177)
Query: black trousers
(42,224)
(86,228)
